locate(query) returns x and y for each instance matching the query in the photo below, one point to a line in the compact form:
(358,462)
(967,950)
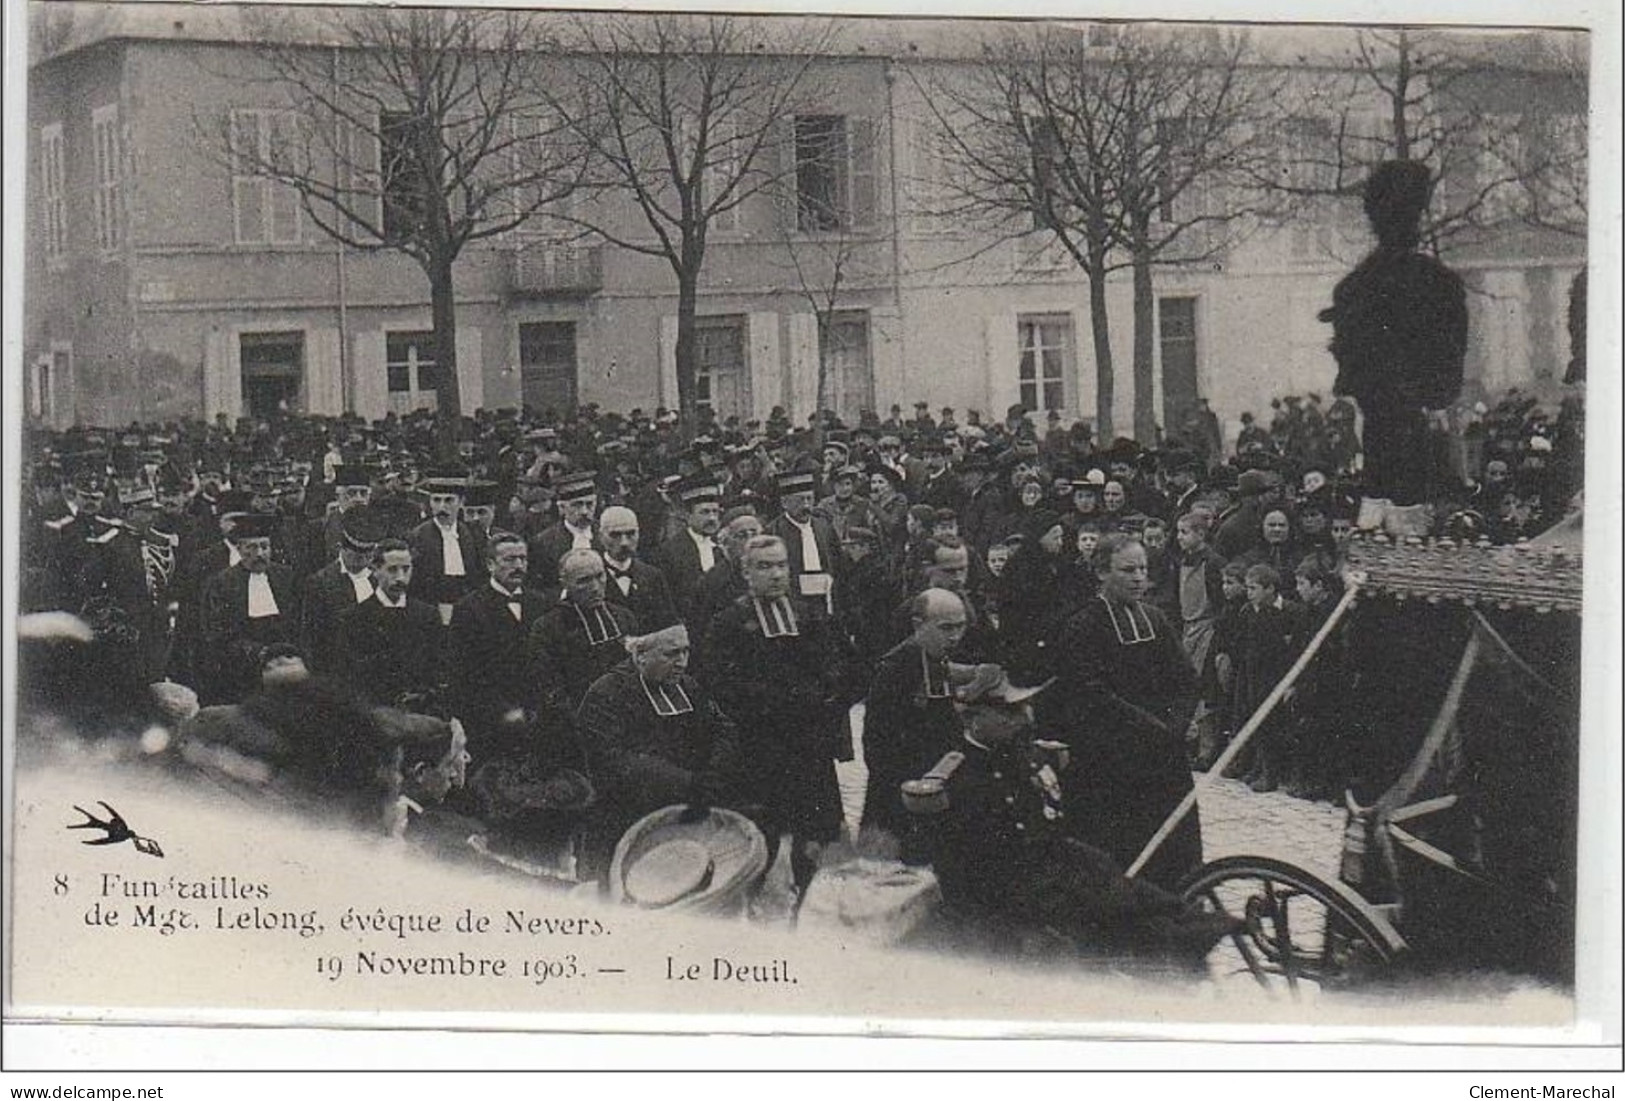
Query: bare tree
(688,117)
(1465,107)
(822,269)
(413,130)
(1128,147)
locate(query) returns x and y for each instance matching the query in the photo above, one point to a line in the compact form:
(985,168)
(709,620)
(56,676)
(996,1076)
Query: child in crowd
(1260,652)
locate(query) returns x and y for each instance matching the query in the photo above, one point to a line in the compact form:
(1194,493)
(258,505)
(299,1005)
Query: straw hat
(706,866)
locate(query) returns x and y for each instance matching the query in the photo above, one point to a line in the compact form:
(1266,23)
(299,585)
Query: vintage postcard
(857,523)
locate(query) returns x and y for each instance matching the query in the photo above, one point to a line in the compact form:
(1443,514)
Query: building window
(53,202)
(547,366)
(836,187)
(849,386)
(108,139)
(403,182)
(410,363)
(265,212)
(1176,328)
(721,383)
(1046,360)
(40,405)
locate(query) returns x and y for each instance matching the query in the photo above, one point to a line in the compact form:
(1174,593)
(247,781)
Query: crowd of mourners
(623,615)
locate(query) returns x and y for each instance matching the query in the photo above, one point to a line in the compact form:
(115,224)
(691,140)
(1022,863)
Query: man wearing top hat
(688,556)
(351,489)
(810,540)
(448,555)
(337,587)
(242,609)
(634,583)
(391,646)
(480,507)
(578,508)
(582,637)
(782,672)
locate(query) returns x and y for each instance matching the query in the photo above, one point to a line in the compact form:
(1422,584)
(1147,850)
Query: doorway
(273,367)
(547,366)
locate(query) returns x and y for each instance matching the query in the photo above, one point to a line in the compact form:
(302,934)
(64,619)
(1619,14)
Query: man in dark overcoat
(391,645)
(243,609)
(638,585)
(582,637)
(688,556)
(654,738)
(336,588)
(779,669)
(494,689)
(448,554)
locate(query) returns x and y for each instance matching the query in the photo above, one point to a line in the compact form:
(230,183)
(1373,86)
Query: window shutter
(470,369)
(368,396)
(803,366)
(765,375)
(281,200)
(865,186)
(325,392)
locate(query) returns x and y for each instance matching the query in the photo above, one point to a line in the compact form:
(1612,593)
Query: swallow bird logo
(116,831)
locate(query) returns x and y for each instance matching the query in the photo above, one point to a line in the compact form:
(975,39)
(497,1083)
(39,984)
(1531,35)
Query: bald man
(583,636)
(637,585)
(654,737)
(909,719)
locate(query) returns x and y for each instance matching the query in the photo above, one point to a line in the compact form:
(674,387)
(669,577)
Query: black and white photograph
(742,521)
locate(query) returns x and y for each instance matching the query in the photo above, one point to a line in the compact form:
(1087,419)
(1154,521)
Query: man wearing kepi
(994,817)
(814,550)
(779,669)
(654,738)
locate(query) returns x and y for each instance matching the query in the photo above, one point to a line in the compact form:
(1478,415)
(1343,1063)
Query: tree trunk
(1100,323)
(1145,365)
(821,397)
(448,392)
(687,339)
